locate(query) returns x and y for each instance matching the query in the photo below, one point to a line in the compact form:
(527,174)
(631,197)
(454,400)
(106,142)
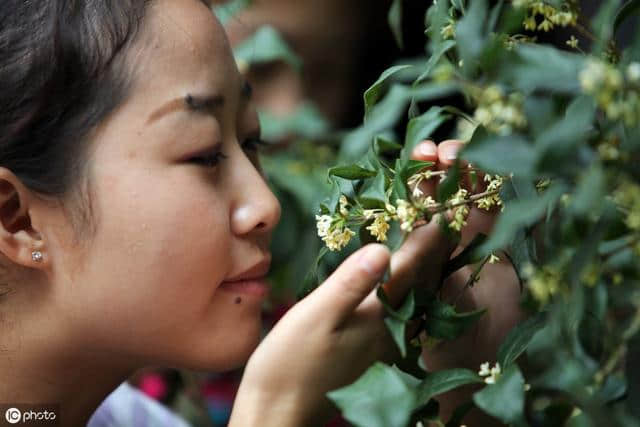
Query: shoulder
(126,406)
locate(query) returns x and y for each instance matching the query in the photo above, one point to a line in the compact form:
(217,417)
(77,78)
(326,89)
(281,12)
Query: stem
(439,207)
(620,350)
(473,278)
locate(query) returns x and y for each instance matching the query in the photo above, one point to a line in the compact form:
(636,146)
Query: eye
(209,160)
(252,144)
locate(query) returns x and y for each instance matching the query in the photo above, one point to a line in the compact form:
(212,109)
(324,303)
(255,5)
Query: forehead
(184,48)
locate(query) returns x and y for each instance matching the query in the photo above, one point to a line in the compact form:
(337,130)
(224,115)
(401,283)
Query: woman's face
(179,207)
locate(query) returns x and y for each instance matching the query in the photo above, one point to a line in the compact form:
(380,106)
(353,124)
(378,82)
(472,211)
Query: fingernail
(428,150)
(374,260)
(451,153)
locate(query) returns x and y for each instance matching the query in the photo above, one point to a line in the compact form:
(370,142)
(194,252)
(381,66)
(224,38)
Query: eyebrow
(198,103)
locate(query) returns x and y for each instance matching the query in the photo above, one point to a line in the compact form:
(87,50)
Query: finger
(418,262)
(448,153)
(336,299)
(427,151)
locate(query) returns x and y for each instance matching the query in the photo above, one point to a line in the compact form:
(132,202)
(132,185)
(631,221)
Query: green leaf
(372,94)
(504,399)
(499,154)
(443,48)
(395,22)
(590,192)
(450,185)
(351,172)
(230,9)
(383,145)
(444,322)
(440,382)
(397,320)
(518,214)
(306,121)
(539,67)
(420,129)
(518,339)
(472,35)
(399,189)
(559,140)
(629,9)
(415,166)
(266,45)
(310,281)
(383,396)
(374,192)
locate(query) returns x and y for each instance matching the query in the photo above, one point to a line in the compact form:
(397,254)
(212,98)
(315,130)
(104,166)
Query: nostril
(261,225)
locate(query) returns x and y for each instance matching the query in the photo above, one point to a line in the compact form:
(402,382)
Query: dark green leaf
(383,396)
(630,7)
(374,192)
(500,154)
(444,322)
(395,21)
(415,166)
(383,145)
(443,48)
(450,185)
(440,382)
(471,35)
(590,192)
(420,129)
(518,339)
(518,214)
(311,279)
(543,68)
(351,172)
(504,399)
(372,94)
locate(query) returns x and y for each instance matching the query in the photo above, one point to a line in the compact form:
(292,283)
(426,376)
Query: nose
(256,208)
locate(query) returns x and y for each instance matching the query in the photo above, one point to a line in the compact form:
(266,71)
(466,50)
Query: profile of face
(179,206)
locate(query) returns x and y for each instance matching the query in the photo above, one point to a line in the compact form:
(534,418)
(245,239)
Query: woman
(135,224)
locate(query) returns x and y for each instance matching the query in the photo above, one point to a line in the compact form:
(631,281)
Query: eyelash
(213,159)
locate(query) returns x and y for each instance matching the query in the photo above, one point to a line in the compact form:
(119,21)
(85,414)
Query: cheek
(159,240)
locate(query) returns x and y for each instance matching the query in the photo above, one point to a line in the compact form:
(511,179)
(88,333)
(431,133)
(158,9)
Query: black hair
(62,71)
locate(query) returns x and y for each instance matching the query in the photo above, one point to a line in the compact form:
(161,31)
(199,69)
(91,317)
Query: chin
(228,354)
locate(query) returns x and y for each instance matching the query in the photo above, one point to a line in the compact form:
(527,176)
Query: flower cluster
(543,283)
(616,93)
(627,197)
(333,231)
(407,214)
(380,225)
(499,113)
(333,228)
(491,374)
(494,184)
(461,212)
(543,17)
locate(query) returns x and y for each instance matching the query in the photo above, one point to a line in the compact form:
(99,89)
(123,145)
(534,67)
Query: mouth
(252,281)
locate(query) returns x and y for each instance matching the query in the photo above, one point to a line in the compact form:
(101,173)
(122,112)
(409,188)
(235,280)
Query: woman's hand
(498,290)
(332,336)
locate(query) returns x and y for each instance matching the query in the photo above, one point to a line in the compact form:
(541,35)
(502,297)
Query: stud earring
(36,256)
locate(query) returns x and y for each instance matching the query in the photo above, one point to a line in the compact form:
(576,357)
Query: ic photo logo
(29,415)
(13,415)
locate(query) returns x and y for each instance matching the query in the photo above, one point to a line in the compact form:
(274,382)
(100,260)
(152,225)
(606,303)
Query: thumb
(337,298)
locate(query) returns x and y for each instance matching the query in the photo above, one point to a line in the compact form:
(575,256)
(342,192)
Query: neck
(39,369)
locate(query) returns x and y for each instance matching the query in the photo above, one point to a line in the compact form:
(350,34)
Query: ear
(19,242)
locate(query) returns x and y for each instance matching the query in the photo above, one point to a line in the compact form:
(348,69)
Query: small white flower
(491,374)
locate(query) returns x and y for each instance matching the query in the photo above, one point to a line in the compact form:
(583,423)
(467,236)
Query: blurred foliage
(555,129)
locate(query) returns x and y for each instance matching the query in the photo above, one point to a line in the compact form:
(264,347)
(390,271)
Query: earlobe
(19,242)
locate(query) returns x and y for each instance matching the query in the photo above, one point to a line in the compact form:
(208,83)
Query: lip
(257,272)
